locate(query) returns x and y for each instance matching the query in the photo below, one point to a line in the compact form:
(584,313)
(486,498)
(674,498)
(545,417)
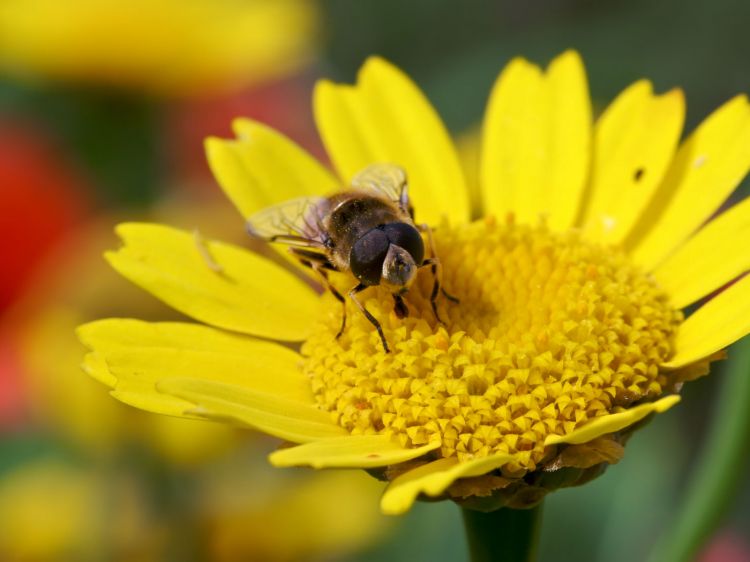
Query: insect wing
(387,180)
(296,222)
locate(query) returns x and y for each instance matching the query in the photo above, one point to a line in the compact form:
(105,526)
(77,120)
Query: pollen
(551,331)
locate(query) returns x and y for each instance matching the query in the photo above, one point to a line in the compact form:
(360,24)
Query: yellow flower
(569,331)
(256,513)
(51,510)
(60,399)
(161,46)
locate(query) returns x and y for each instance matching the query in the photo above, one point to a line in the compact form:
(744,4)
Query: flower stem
(713,485)
(507,535)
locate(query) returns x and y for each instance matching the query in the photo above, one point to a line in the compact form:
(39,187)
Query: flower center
(550,332)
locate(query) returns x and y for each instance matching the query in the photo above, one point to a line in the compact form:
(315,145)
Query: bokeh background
(104,105)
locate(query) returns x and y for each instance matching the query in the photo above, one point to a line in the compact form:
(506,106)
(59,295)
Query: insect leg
(399,306)
(307,257)
(353,295)
(431,243)
(448,296)
(404,203)
(319,269)
(319,263)
(437,271)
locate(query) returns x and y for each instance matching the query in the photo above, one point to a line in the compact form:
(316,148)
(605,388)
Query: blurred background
(104,105)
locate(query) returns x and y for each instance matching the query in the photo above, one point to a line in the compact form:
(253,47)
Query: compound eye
(406,236)
(367,256)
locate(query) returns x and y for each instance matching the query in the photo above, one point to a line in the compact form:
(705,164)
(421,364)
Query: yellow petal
(282,418)
(352,451)
(132,356)
(263,167)
(721,321)
(248,293)
(714,256)
(536,141)
(95,367)
(613,422)
(468,146)
(433,479)
(386,118)
(634,142)
(512,139)
(706,169)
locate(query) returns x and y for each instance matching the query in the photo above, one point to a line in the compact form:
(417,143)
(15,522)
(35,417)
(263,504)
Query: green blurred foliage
(113,136)
(455,50)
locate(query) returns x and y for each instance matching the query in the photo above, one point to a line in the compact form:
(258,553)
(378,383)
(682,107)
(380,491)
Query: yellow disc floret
(551,331)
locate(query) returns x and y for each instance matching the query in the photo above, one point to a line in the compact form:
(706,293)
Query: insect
(367,230)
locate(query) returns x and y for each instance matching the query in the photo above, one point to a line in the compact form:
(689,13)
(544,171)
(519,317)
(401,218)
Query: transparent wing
(296,222)
(387,180)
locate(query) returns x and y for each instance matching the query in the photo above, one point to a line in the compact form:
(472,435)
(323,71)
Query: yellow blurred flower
(161,46)
(253,513)
(570,329)
(52,511)
(43,325)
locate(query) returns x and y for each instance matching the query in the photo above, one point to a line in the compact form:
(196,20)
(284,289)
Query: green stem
(505,535)
(714,483)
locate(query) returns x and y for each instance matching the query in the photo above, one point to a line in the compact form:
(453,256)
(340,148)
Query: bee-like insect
(367,230)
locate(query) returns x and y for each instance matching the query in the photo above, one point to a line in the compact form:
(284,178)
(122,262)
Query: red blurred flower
(11,401)
(41,197)
(727,547)
(283,104)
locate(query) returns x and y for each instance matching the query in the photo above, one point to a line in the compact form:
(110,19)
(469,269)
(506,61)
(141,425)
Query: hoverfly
(367,230)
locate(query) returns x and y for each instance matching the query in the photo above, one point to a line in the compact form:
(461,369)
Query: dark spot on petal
(638,175)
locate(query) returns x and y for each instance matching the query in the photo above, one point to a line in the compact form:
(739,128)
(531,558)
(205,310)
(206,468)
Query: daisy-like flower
(569,332)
